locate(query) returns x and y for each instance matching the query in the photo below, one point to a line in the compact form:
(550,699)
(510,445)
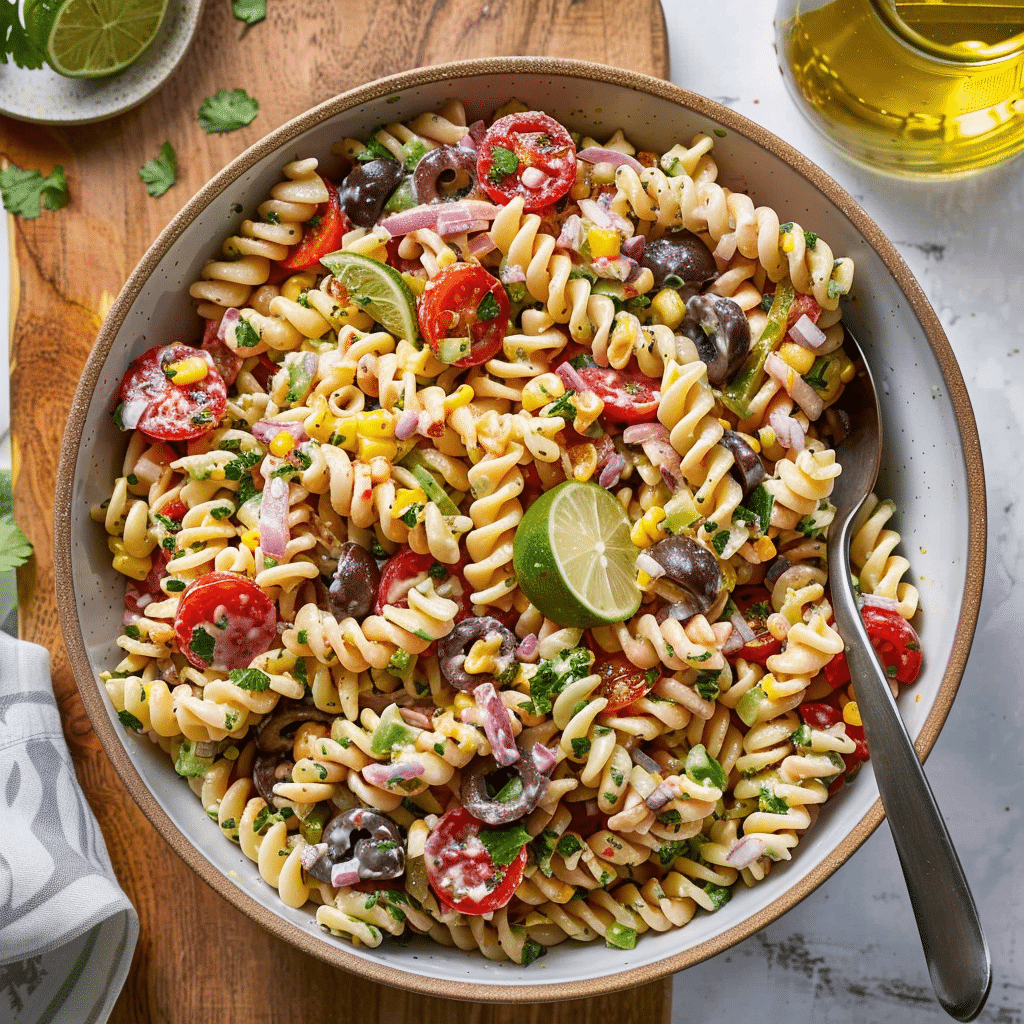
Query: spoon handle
(954,944)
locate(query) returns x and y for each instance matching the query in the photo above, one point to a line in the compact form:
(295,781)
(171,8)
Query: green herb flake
(252,12)
(249,679)
(504,844)
(810,239)
(175,586)
(718,894)
(488,308)
(620,936)
(707,683)
(227,111)
(580,746)
(504,163)
(129,721)
(532,950)
(770,802)
(202,645)
(702,768)
(25,191)
(160,173)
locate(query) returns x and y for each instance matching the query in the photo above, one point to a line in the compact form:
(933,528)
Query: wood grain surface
(198,958)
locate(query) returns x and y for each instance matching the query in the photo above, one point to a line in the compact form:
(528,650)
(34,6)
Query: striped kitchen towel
(67,931)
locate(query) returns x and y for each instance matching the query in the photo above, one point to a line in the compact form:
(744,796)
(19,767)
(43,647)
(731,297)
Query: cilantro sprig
(25,191)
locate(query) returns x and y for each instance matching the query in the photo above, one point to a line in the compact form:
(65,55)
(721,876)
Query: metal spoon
(954,945)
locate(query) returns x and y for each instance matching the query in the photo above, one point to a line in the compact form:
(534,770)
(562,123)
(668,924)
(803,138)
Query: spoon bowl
(954,944)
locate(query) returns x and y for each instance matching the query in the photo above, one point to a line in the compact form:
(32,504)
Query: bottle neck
(958,31)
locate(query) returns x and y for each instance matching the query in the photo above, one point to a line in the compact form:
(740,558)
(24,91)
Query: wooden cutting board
(199,959)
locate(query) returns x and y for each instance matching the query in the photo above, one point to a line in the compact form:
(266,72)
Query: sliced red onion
(512,273)
(454,220)
(746,851)
(415,717)
(480,245)
(880,602)
(345,873)
(796,387)
(599,155)
(644,761)
(528,648)
(595,213)
(634,247)
(497,724)
(406,425)
(788,432)
(231,316)
(570,378)
(733,644)
(416,219)
(544,758)
(807,333)
(742,628)
(311,854)
(637,433)
(382,775)
(274,531)
(649,565)
(612,471)
(571,235)
(267,430)
(660,797)
(621,268)
(131,412)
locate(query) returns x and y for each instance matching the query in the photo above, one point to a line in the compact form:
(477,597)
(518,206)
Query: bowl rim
(94,699)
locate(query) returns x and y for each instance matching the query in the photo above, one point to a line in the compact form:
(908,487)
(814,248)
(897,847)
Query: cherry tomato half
(464,301)
(154,404)
(824,716)
(224,621)
(322,234)
(622,682)
(754,604)
(527,154)
(893,638)
(460,869)
(227,361)
(628,395)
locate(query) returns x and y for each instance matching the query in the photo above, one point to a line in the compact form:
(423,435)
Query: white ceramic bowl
(932,468)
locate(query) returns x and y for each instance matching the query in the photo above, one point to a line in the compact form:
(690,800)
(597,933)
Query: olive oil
(929,87)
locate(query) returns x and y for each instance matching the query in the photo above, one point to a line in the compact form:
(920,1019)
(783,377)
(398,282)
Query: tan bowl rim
(92,695)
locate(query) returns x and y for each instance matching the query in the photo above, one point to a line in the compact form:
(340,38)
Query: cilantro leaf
(160,173)
(554,675)
(15,547)
(227,111)
(504,844)
(249,679)
(14,40)
(129,721)
(504,162)
(252,12)
(488,308)
(26,191)
(202,644)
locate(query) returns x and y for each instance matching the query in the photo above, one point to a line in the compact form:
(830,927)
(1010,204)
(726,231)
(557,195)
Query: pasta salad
(475,556)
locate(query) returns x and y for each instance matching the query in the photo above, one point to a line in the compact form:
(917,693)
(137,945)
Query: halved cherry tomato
(527,154)
(321,235)
(227,361)
(803,305)
(754,604)
(464,301)
(896,642)
(139,593)
(622,682)
(824,716)
(460,869)
(154,404)
(264,369)
(224,621)
(628,395)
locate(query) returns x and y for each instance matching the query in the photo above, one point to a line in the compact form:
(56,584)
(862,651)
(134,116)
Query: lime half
(93,38)
(573,557)
(377,288)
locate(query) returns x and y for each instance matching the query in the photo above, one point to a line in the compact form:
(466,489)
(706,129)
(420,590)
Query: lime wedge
(573,557)
(377,288)
(92,38)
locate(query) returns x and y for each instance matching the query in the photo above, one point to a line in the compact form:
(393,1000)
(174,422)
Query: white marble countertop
(850,952)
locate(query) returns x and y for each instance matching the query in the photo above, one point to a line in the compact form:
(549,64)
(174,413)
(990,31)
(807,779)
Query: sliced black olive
(498,795)
(274,734)
(353,588)
(366,188)
(681,256)
(267,771)
(446,174)
(719,329)
(452,650)
(747,467)
(364,841)
(692,577)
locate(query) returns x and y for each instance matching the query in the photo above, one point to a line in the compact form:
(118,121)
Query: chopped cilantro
(160,173)
(245,334)
(707,683)
(133,632)
(770,802)
(532,949)
(175,586)
(672,849)
(552,677)
(580,746)
(488,307)
(701,767)
(718,894)
(766,302)
(202,645)
(249,679)
(375,151)
(504,844)
(504,163)
(810,239)
(227,110)
(25,192)
(129,721)
(719,541)
(511,791)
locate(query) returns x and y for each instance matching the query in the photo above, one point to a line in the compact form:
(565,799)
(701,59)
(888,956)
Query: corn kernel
(187,371)
(768,685)
(541,390)
(799,358)
(647,529)
(669,308)
(463,701)
(282,444)
(603,243)
(405,498)
(764,548)
(251,539)
(462,396)
(446,257)
(128,565)
(369,448)
(848,372)
(416,284)
(788,245)
(851,713)
(297,284)
(770,447)
(377,424)
(643,580)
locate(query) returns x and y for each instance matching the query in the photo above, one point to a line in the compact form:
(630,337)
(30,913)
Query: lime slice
(573,557)
(92,38)
(377,288)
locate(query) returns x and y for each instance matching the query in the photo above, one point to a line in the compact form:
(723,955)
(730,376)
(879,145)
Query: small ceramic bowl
(932,469)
